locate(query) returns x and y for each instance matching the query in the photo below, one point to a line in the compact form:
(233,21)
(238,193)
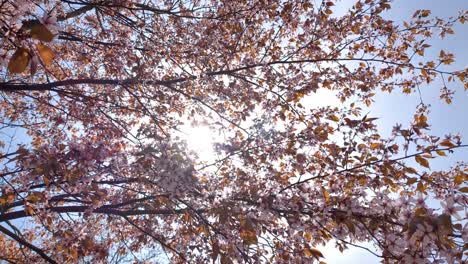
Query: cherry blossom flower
(450,208)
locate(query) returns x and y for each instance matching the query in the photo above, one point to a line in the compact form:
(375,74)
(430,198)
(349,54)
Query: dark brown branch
(101,210)
(52,85)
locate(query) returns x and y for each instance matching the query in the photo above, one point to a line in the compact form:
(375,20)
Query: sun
(200,140)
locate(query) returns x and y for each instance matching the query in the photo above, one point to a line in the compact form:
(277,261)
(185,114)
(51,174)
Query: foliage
(102,89)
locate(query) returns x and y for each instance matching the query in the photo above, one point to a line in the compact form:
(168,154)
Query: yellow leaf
(40,32)
(441,153)
(19,61)
(46,54)
(422,161)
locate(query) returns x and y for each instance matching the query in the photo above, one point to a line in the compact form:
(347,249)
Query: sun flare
(200,139)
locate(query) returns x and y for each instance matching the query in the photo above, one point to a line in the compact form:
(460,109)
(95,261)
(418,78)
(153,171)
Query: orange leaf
(312,252)
(459,179)
(19,61)
(411,181)
(447,143)
(374,145)
(326,195)
(46,54)
(422,161)
(425,13)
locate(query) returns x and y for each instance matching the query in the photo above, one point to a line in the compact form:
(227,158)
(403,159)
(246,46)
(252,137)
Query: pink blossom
(451,209)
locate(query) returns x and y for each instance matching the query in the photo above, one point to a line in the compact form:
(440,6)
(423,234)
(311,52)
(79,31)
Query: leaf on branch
(422,121)
(216,251)
(46,54)
(35,197)
(447,143)
(444,224)
(312,252)
(425,13)
(19,61)
(411,181)
(225,259)
(334,118)
(6,199)
(374,145)
(40,32)
(422,161)
(410,170)
(460,178)
(247,232)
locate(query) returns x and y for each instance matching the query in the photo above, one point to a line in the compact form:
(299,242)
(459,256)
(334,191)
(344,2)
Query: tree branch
(107,209)
(27,244)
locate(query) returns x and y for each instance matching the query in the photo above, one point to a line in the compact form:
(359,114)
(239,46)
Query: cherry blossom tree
(102,88)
